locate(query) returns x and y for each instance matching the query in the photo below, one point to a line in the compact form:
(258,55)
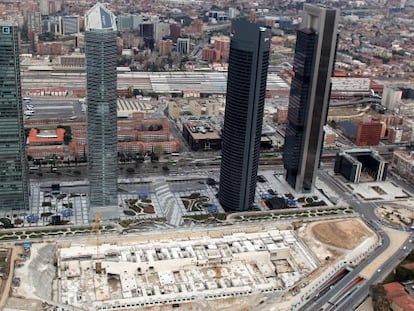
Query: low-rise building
(399,297)
(358,165)
(201,135)
(404,164)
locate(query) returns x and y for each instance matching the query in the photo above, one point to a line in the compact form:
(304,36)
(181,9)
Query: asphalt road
(354,298)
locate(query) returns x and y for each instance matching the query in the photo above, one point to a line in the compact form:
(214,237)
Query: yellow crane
(97,229)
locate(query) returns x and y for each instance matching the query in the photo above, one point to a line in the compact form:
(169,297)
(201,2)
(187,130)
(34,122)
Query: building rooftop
(100,18)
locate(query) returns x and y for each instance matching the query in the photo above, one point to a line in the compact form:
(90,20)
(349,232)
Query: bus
(175,154)
(27,99)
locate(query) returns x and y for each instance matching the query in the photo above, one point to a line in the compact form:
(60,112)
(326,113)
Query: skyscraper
(101,54)
(309,95)
(14,190)
(246,88)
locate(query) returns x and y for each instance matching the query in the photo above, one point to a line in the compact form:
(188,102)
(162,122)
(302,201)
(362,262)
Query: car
(379,270)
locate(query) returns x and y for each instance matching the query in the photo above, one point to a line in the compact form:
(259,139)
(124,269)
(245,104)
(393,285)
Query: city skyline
(243,118)
(309,95)
(14,188)
(157,206)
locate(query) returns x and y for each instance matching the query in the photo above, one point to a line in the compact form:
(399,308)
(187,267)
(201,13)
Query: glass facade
(309,96)
(246,90)
(101,55)
(14,190)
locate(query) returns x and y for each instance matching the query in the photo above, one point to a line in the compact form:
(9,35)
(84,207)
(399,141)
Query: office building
(361,165)
(70,25)
(146,30)
(101,53)
(14,190)
(246,88)
(125,22)
(309,95)
(183,45)
(162,30)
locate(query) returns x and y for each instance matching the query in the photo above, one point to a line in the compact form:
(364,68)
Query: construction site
(220,269)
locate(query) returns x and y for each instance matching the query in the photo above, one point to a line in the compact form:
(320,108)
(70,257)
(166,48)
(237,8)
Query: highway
(347,294)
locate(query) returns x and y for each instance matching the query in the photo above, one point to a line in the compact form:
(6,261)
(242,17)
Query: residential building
(14,189)
(281,115)
(246,90)
(398,135)
(369,132)
(101,55)
(175,32)
(399,297)
(164,46)
(309,95)
(222,44)
(403,163)
(210,54)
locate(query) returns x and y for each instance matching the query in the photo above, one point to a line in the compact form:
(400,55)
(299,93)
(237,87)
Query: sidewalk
(397,239)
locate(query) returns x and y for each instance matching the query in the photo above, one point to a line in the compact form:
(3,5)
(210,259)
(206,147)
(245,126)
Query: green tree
(379,298)
(402,274)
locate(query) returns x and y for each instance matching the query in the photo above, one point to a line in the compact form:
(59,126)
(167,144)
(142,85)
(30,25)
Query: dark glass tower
(101,54)
(246,90)
(309,95)
(14,190)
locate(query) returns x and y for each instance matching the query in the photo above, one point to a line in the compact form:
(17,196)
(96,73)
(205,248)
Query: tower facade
(14,190)
(309,95)
(101,53)
(246,90)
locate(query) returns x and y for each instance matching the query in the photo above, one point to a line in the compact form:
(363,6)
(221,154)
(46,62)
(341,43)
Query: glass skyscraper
(309,95)
(14,190)
(101,56)
(246,90)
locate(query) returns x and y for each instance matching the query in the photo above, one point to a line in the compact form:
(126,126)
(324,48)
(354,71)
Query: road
(346,295)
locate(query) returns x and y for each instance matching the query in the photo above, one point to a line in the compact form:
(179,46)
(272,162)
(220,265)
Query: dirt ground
(397,214)
(346,234)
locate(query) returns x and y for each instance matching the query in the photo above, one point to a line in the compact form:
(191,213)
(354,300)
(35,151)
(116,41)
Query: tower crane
(97,230)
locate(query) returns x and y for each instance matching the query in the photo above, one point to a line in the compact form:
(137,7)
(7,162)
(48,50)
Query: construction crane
(97,229)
